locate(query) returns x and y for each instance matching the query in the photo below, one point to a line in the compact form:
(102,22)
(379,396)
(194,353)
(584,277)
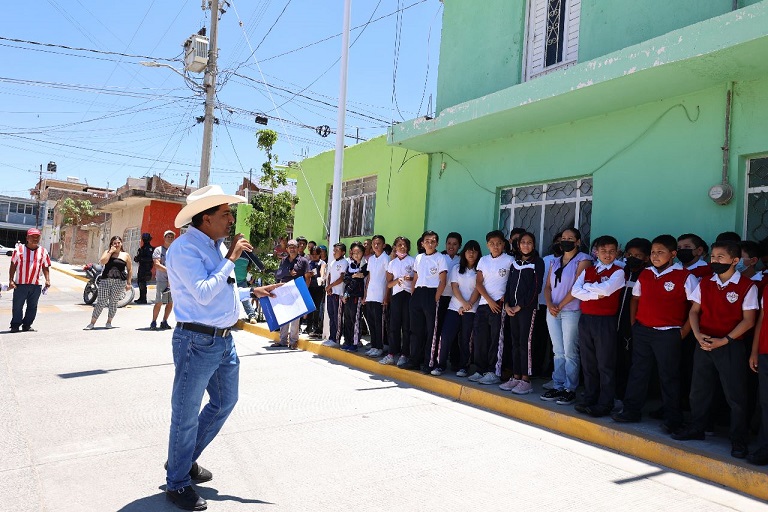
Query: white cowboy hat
(202,199)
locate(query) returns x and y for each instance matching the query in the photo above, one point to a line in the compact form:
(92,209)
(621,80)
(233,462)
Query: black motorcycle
(91,292)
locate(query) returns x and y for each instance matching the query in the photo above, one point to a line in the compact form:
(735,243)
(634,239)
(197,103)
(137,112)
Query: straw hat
(202,199)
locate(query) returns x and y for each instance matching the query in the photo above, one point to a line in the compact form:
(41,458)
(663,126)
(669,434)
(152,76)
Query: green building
(383,191)
(607,115)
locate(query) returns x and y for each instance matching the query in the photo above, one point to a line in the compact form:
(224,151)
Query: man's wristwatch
(730,340)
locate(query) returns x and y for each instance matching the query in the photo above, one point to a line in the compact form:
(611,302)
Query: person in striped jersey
(27,262)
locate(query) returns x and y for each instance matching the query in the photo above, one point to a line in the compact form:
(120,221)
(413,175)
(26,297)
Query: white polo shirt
(495,273)
(377,278)
(401,268)
(336,269)
(429,268)
(467,283)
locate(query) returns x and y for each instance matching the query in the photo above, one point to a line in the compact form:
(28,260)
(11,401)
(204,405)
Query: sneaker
(86,328)
(252,320)
(376,352)
(566,398)
(402,361)
(437,372)
(164,325)
(186,498)
(510,384)
(369,353)
(153,326)
(475,377)
(523,388)
(387,359)
(461,373)
(108,325)
(552,395)
(329,343)
(489,378)
(549,385)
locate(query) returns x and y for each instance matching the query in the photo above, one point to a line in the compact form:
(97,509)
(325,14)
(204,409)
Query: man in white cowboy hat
(206,305)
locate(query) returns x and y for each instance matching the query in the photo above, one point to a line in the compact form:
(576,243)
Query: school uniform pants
(374,315)
(762,374)
(456,326)
(663,347)
(453,348)
(597,348)
(353,310)
(333,302)
(29,294)
(521,337)
(423,312)
(399,323)
(488,331)
(725,365)
(315,322)
(542,343)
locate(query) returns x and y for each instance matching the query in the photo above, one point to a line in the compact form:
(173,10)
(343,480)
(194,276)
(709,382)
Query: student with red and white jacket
(692,252)
(658,311)
(599,289)
(724,309)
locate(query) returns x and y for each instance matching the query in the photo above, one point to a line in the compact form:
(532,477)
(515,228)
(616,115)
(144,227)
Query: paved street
(87,414)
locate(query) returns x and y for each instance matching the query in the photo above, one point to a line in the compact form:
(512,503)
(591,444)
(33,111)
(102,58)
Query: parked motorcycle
(91,291)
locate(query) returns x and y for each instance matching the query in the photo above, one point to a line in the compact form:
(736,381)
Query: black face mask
(720,268)
(635,263)
(567,245)
(685,256)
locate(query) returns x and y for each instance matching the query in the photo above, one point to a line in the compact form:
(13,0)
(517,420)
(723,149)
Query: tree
(272,210)
(76,212)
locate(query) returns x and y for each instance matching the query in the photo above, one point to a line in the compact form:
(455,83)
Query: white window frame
(535,38)
(749,191)
(349,201)
(131,240)
(578,199)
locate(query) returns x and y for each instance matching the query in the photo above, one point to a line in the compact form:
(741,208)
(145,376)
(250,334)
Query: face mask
(685,256)
(720,268)
(635,263)
(401,255)
(567,245)
(741,266)
(557,251)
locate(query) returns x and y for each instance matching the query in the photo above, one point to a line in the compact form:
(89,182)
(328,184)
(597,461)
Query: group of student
(669,306)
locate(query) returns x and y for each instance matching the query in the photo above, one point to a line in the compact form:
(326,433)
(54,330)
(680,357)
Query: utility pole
(209,82)
(51,169)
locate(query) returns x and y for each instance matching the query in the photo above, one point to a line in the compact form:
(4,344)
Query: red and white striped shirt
(29,264)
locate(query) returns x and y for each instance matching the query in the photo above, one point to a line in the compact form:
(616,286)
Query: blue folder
(308,306)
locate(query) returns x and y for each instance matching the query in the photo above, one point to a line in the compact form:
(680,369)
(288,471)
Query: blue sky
(103,117)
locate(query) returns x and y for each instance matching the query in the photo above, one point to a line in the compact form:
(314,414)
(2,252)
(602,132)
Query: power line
(79,49)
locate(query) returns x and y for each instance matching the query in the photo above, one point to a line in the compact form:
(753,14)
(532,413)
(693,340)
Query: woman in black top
(115,280)
(354,290)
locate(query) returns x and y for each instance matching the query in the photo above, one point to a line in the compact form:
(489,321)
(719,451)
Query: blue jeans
(29,293)
(247,306)
(203,363)
(564,331)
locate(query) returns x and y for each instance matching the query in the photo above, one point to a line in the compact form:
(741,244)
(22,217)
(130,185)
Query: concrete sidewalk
(709,459)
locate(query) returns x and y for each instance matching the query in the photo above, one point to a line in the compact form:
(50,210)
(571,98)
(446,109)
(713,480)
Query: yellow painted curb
(735,475)
(71,274)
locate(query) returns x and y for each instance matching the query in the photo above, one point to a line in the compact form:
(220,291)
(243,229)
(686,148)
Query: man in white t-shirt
(336,270)
(492,274)
(376,295)
(430,272)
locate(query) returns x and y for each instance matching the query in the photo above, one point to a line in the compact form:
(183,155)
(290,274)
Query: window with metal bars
(358,206)
(552,35)
(756,215)
(548,208)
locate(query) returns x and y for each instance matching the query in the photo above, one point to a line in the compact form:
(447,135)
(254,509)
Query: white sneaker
(523,388)
(475,377)
(387,359)
(402,360)
(376,352)
(329,343)
(510,384)
(437,372)
(108,325)
(88,327)
(549,385)
(461,373)
(369,353)
(489,378)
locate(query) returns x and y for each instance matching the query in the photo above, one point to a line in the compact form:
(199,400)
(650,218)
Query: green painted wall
(657,185)
(481,49)
(401,189)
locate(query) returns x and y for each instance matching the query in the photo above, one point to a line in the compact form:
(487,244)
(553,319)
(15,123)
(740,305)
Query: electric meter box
(196,53)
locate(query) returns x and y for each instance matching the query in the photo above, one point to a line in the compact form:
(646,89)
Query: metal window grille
(546,209)
(358,206)
(552,40)
(756,216)
(130,240)
(553,44)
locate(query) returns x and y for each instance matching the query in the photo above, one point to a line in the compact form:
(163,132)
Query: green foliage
(270,267)
(76,212)
(272,211)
